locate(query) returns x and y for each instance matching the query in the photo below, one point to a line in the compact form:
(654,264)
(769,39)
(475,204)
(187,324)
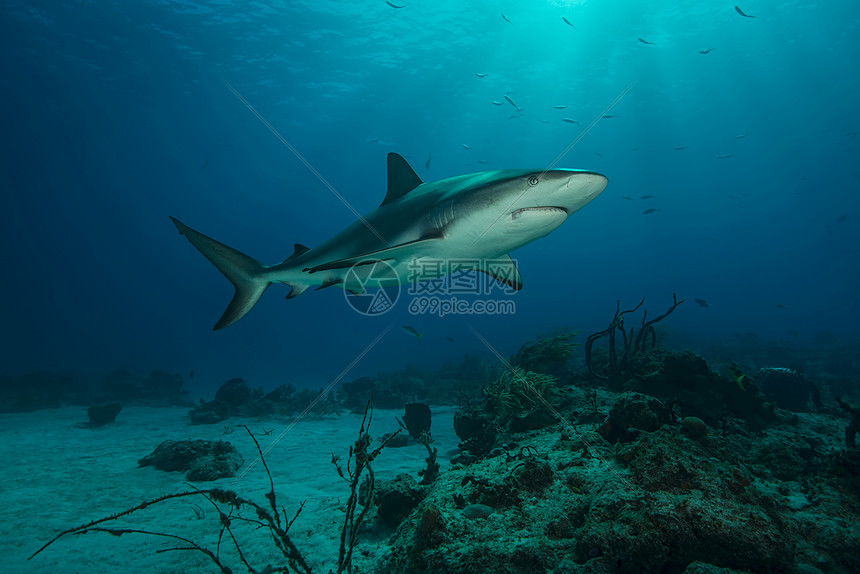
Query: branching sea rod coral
(634,343)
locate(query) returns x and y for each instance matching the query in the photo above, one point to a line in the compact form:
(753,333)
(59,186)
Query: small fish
(394,5)
(781,306)
(597,154)
(505,18)
(793,333)
(498,103)
(644,41)
(728,155)
(544,121)
(412,331)
(680,148)
(449,338)
(650,210)
(191,374)
(427,163)
(634,149)
(841,218)
(701,302)
(607,116)
(480,75)
(466,147)
(510,101)
(570,121)
(708,51)
(740,136)
(627,197)
(559,107)
(566,21)
(646,197)
(741,12)
(204,166)
(483,161)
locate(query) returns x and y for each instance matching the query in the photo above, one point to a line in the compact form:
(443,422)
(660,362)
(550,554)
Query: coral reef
(446,385)
(660,502)
(549,355)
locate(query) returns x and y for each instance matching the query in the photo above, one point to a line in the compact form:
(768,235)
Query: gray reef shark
(478,217)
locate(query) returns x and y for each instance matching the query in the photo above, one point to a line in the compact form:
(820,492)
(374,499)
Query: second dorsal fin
(299,249)
(401,178)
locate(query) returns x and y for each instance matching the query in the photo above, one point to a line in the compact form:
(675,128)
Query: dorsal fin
(401,178)
(299,249)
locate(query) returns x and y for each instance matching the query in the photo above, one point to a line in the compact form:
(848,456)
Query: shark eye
(533,180)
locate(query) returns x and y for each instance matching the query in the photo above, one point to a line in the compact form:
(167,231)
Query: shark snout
(579,188)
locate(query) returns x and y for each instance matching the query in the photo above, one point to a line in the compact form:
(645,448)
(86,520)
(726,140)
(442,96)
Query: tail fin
(243,272)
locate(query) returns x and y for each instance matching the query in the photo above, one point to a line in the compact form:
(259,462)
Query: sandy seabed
(58,473)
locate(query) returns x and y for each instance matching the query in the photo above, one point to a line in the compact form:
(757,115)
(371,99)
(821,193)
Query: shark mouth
(542,209)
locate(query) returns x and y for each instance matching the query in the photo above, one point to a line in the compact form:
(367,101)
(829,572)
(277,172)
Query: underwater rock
(535,420)
(634,412)
(158,387)
(549,355)
(694,427)
(396,498)
(395,441)
(103,414)
(209,413)
(202,460)
(534,475)
(789,389)
(386,394)
(51,390)
(475,430)
(477,511)
(431,523)
(685,379)
(234,392)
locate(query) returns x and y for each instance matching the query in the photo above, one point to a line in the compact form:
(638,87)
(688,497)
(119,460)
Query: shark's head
(504,210)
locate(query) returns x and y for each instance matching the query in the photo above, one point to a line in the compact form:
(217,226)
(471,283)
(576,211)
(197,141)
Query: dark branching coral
(633,342)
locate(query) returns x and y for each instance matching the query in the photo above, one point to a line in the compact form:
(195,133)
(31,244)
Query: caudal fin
(245,273)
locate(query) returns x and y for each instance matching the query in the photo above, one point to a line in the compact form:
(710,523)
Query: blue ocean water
(117,115)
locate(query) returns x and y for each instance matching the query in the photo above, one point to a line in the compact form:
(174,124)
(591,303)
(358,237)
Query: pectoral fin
(505,271)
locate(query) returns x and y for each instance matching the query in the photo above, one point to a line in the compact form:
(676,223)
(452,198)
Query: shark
(480,217)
